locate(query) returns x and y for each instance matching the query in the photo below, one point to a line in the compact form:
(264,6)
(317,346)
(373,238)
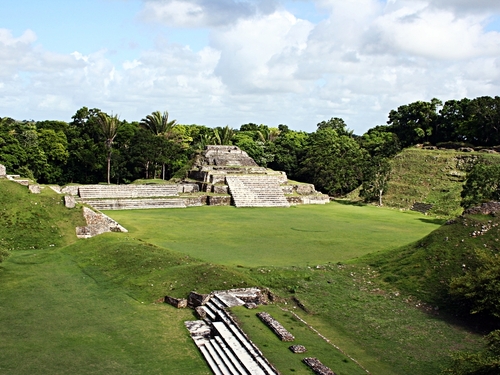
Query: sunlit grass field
(301,235)
(71,306)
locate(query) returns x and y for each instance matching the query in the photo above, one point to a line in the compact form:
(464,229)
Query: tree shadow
(433,221)
(350,203)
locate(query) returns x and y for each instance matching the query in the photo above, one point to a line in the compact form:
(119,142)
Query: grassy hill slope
(430,176)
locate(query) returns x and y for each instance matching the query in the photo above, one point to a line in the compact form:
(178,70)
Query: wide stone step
(131,204)
(256,191)
(240,351)
(127,191)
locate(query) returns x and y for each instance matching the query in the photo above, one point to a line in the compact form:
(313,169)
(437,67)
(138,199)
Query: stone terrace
(126,191)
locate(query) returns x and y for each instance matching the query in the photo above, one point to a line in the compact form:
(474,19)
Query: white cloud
(203,13)
(264,65)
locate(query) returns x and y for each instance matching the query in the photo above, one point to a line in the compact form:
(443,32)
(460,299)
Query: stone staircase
(256,191)
(225,347)
(126,191)
(135,204)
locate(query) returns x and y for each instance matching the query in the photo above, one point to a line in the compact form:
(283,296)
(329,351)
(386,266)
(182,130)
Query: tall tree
(109,127)
(158,124)
(334,163)
(415,122)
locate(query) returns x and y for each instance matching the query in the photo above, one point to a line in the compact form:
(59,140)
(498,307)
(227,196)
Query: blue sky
(230,62)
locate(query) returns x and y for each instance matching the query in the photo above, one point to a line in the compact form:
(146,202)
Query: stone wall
(317,367)
(275,326)
(3,171)
(488,208)
(97,223)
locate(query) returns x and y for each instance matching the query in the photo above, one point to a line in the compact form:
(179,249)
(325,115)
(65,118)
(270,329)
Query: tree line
(97,147)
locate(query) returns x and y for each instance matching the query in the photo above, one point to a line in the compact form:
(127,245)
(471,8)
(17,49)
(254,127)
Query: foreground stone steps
(227,349)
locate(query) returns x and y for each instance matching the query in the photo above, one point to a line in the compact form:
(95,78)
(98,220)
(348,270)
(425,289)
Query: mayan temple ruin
(220,175)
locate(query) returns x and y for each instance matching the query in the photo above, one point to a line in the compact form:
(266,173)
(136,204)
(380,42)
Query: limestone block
(3,171)
(179,303)
(69,201)
(72,190)
(220,189)
(200,312)
(196,299)
(97,223)
(287,189)
(190,188)
(219,201)
(305,189)
(317,367)
(34,189)
(23,182)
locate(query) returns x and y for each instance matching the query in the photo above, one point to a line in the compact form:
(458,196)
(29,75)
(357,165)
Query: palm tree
(158,124)
(223,136)
(109,126)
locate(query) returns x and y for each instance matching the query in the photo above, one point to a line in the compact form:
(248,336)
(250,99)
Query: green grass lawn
(72,306)
(276,236)
(56,319)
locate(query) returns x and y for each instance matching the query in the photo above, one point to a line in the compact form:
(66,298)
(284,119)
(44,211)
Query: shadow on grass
(432,221)
(350,203)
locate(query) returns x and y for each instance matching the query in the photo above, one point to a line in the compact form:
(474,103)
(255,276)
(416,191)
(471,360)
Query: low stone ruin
(421,207)
(275,326)
(97,223)
(297,349)
(317,367)
(3,171)
(488,208)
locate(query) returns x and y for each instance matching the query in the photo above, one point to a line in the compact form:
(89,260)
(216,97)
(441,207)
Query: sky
(232,62)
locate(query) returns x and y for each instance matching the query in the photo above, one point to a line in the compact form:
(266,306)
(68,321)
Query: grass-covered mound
(430,176)
(35,221)
(425,268)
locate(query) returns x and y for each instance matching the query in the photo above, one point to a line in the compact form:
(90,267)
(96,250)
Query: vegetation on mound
(148,272)
(425,268)
(35,221)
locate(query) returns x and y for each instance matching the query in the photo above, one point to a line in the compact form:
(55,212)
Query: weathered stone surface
(197,299)
(69,201)
(219,201)
(305,189)
(421,207)
(34,189)
(97,223)
(488,208)
(195,201)
(3,171)
(297,349)
(71,190)
(466,149)
(220,189)
(179,303)
(275,326)
(21,181)
(317,367)
(189,188)
(200,312)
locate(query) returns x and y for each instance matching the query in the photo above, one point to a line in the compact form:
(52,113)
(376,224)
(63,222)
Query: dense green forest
(96,147)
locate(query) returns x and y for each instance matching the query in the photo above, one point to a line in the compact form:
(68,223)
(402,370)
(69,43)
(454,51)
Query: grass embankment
(430,176)
(87,307)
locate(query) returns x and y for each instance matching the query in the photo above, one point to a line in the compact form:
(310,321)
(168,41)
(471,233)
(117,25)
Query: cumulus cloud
(203,13)
(263,64)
